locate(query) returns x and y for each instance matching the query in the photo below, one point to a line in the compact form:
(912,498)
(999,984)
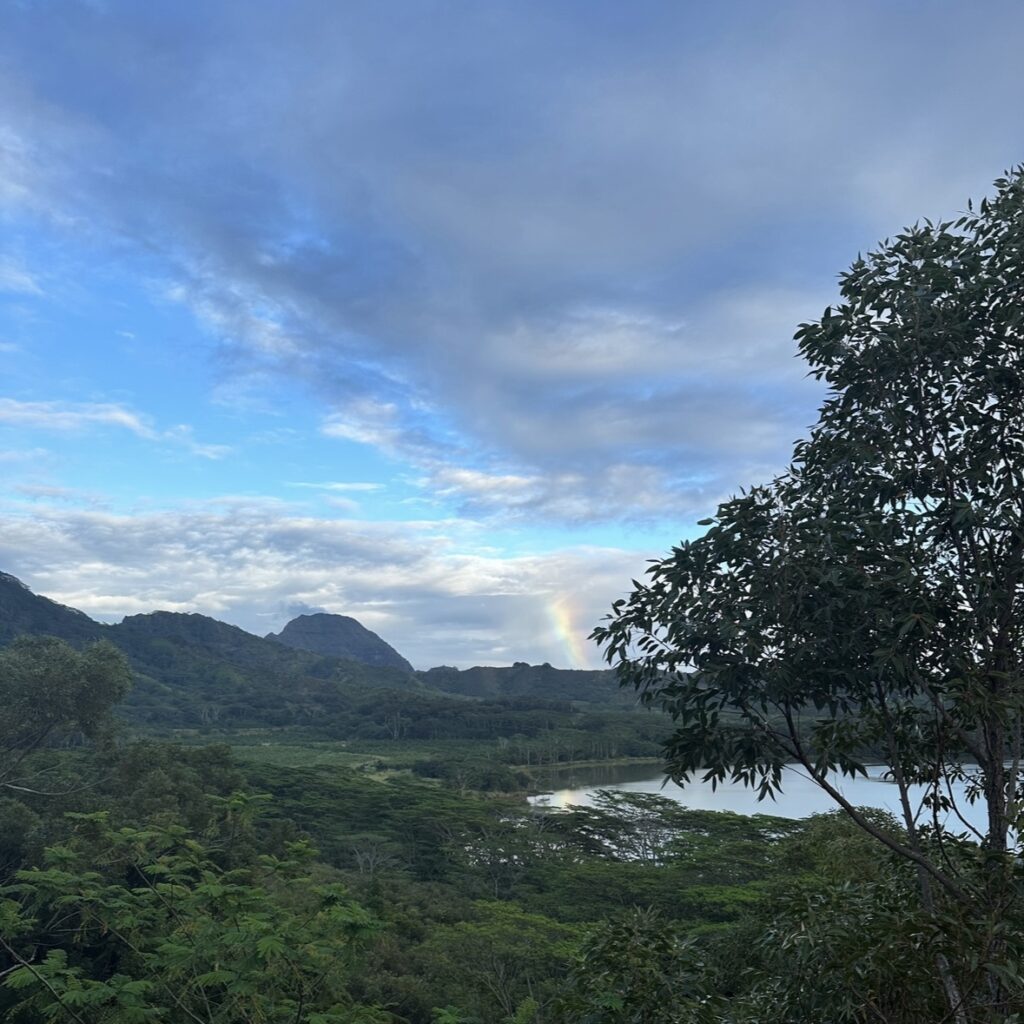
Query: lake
(800,797)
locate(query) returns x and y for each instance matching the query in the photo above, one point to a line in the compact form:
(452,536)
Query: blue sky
(444,315)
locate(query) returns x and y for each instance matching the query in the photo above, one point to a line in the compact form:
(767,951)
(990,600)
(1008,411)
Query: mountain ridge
(182,659)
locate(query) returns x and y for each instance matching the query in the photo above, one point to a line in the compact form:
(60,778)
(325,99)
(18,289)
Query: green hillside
(22,612)
(195,673)
(341,637)
(523,680)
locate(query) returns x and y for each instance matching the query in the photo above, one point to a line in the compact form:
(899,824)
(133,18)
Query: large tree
(50,693)
(867,602)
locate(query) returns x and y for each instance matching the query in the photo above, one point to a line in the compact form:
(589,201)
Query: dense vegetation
(150,881)
(195,673)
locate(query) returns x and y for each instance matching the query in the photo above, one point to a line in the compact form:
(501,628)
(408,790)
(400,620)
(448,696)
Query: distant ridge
(339,636)
(22,611)
(523,680)
(191,668)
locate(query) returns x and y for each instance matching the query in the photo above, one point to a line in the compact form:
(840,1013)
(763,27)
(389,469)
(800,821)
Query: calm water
(800,797)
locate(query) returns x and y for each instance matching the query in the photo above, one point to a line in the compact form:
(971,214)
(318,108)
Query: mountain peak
(340,636)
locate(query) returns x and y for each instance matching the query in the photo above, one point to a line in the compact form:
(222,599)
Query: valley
(412,789)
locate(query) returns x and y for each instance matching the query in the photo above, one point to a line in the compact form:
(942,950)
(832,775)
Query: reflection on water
(599,776)
(800,797)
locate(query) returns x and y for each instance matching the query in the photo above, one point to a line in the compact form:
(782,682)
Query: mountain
(150,638)
(168,644)
(522,680)
(21,611)
(341,637)
(192,671)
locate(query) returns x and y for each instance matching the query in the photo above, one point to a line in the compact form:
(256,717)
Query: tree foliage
(869,599)
(131,925)
(50,692)
(637,970)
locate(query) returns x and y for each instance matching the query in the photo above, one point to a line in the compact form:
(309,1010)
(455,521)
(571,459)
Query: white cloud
(592,265)
(184,435)
(55,493)
(367,421)
(339,485)
(500,488)
(16,278)
(70,416)
(235,313)
(345,505)
(31,455)
(14,171)
(75,416)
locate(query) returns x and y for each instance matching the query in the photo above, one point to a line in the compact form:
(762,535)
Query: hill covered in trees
(173,649)
(340,636)
(154,881)
(192,672)
(523,680)
(23,612)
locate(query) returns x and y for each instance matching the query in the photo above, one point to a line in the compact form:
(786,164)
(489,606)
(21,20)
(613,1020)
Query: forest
(148,880)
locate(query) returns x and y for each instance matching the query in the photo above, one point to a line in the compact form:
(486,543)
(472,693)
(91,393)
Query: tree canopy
(866,604)
(49,692)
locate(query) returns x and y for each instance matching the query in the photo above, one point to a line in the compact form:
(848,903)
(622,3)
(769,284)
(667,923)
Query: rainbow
(569,634)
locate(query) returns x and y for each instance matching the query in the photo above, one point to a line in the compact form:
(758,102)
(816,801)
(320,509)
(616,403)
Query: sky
(449,316)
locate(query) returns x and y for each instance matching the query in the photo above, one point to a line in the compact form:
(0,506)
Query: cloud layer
(580,235)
